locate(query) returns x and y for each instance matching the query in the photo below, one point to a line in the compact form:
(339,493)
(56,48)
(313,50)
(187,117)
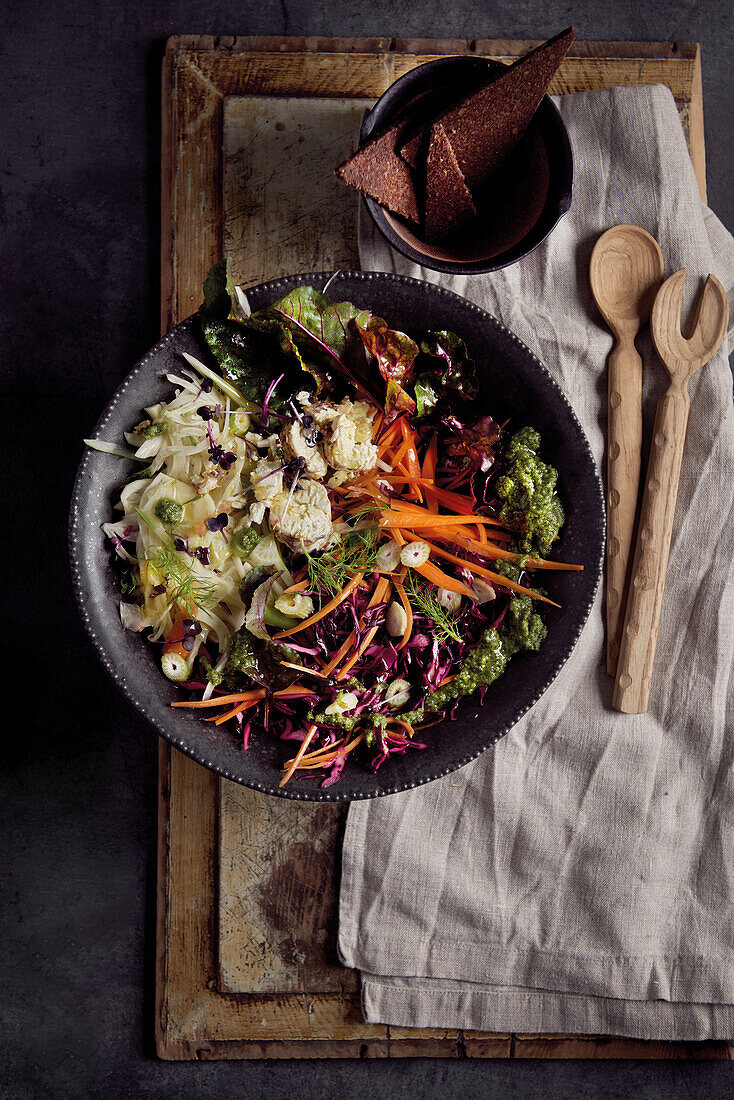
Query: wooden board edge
(697,139)
(161,933)
(296,44)
(173,1049)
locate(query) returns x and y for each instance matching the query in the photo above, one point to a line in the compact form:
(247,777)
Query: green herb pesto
(242,659)
(527,488)
(210,672)
(522,629)
(244,541)
(168,511)
(340,721)
(153,430)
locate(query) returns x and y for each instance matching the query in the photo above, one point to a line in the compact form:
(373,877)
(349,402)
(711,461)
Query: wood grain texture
(682,358)
(625,273)
(277,898)
(201,818)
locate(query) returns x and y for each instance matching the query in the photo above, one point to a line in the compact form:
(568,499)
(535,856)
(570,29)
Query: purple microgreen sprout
(264,419)
(201,553)
(218,523)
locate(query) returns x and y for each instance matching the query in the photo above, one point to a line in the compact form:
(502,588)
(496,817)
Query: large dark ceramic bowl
(527,197)
(514,384)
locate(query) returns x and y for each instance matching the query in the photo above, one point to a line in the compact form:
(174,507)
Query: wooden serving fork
(682,358)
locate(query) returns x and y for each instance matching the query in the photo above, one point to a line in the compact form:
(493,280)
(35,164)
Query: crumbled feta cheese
(306,519)
(257,512)
(296,444)
(267,482)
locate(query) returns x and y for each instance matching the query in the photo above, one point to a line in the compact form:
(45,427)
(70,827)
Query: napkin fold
(579,877)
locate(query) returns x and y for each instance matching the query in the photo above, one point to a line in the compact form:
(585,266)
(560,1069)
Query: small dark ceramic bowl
(527,198)
(514,384)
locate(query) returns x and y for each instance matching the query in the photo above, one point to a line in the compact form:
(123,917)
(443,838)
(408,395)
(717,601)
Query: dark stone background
(79,143)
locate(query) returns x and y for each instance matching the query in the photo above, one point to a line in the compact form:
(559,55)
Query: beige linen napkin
(579,877)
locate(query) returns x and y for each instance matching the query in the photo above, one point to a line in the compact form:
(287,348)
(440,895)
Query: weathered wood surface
(246,963)
(284,209)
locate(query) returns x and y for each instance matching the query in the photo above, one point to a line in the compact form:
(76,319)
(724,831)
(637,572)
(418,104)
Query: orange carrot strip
(437,576)
(339,598)
(377,596)
(318,760)
(496,578)
(294,689)
(401,451)
(299,587)
(235,710)
(411,458)
(497,553)
(415,520)
(224,699)
(416,510)
(293,764)
(382,589)
(430,458)
(303,668)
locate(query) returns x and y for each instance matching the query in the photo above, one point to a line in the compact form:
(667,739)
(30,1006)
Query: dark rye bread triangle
(487,124)
(378,171)
(449,205)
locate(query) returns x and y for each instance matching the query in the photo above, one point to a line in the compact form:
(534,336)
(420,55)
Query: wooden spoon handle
(623,484)
(642,618)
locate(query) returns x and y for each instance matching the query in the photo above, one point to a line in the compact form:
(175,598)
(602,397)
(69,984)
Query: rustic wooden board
(246,964)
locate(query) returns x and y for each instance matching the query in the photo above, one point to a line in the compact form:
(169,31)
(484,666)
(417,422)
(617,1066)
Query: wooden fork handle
(642,617)
(624,432)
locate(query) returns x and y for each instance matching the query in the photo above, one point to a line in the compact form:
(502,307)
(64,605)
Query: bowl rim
(560,192)
(77,530)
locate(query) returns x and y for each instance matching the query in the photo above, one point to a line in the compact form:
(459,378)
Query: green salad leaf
(444,372)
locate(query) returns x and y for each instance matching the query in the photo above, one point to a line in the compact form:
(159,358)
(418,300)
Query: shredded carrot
(235,710)
(447,680)
(401,451)
(377,596)
(302,668)
(294,689)
(323,757)
(414,520)
(220,700)
(496,578)
(437,576)
(496,553)
(293,764)
(339,598)
(299,587)
(389,435)
(382,589)
(430,458)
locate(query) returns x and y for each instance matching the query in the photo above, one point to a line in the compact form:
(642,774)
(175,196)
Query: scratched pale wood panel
(195,1018)
(284,209)
(277,898)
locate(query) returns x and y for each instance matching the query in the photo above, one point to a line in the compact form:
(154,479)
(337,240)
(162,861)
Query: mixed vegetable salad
(327,537)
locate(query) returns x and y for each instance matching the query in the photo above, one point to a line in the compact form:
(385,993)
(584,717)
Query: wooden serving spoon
(626,272)
(682,358)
